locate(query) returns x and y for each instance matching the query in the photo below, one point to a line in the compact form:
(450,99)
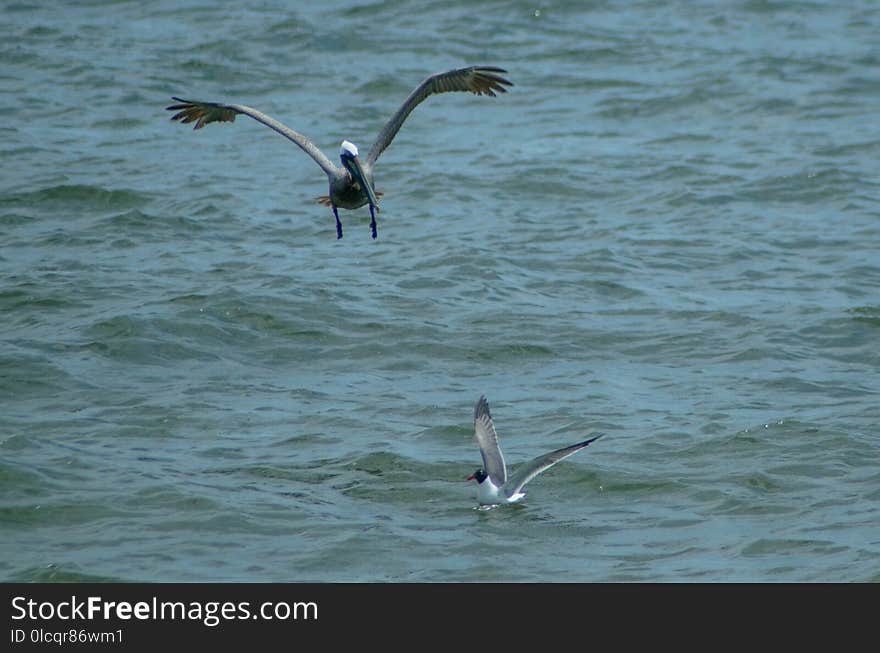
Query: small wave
(80,195)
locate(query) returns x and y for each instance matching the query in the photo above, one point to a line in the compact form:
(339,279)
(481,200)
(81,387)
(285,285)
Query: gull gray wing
(484,428)
(530,470)
(203,113)
(479,80)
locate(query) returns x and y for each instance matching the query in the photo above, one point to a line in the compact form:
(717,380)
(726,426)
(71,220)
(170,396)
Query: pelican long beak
(357,171)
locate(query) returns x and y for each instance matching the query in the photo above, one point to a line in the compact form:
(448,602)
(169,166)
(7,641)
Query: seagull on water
(494,486)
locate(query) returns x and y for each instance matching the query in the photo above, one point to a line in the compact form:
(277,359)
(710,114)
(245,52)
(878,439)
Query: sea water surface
(667,231)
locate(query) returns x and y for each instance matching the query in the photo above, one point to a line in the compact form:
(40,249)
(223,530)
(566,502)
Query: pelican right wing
(203,113)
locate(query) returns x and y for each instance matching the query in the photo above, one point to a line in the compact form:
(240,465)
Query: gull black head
(479,476)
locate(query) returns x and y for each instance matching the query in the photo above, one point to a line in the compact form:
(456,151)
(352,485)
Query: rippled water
(667,231)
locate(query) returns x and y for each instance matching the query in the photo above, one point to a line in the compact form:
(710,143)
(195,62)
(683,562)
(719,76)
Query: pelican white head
(348,149)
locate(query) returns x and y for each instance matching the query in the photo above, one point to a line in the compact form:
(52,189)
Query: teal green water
(667,231)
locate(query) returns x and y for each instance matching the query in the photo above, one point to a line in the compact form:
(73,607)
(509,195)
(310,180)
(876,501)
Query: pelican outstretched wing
(203,113)
(480,80)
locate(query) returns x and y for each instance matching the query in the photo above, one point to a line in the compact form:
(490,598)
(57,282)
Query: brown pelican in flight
(351,186)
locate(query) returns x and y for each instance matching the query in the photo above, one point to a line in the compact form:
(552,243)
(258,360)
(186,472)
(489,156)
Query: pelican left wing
(479,80)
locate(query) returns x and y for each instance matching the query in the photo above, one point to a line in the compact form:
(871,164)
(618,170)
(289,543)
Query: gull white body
(489,494)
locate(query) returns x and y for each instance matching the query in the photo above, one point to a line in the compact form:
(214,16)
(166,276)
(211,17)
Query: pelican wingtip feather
(485,81)
(201,113)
